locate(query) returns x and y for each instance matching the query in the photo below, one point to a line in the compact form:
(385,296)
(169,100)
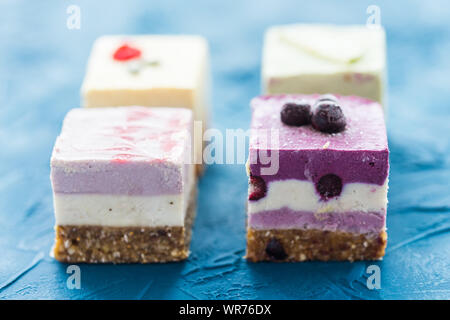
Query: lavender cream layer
(123,166)
(302,178)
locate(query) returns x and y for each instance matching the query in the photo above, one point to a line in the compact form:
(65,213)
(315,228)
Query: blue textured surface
(41,69)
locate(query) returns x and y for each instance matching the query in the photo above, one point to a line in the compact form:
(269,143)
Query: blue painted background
(41,68)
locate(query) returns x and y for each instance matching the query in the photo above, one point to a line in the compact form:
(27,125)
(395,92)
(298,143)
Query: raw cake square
(124,186)
(151,71)
(314,58)
(327,199)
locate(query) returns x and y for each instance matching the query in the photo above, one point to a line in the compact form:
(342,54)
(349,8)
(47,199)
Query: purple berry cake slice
(327,197)
(124,186)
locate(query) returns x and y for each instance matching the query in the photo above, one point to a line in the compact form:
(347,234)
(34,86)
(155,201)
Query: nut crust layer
(304,245)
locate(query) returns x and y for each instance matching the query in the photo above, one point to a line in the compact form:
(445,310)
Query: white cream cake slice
(150,71)
(315,58)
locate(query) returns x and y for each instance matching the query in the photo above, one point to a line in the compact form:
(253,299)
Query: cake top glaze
(145,61)
(365,128)
(124,134)
(323,49)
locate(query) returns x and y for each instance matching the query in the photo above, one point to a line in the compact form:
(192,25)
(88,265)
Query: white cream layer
(302,196)
(125,210)
(120,210)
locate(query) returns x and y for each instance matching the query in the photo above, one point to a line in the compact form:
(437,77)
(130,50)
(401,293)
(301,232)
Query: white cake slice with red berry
(151,71)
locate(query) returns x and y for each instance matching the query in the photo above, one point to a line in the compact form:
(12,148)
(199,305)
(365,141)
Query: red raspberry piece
(126,52)
(257,188)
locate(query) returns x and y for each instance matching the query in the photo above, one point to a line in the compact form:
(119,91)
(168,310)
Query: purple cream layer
(122,150)
(104,177)
(358,154)
(285,218)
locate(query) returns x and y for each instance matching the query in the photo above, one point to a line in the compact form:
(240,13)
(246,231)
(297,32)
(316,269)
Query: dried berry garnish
(328,117)
(257,188)
(125,52)
(275,250)
(329,186)
(296,114)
